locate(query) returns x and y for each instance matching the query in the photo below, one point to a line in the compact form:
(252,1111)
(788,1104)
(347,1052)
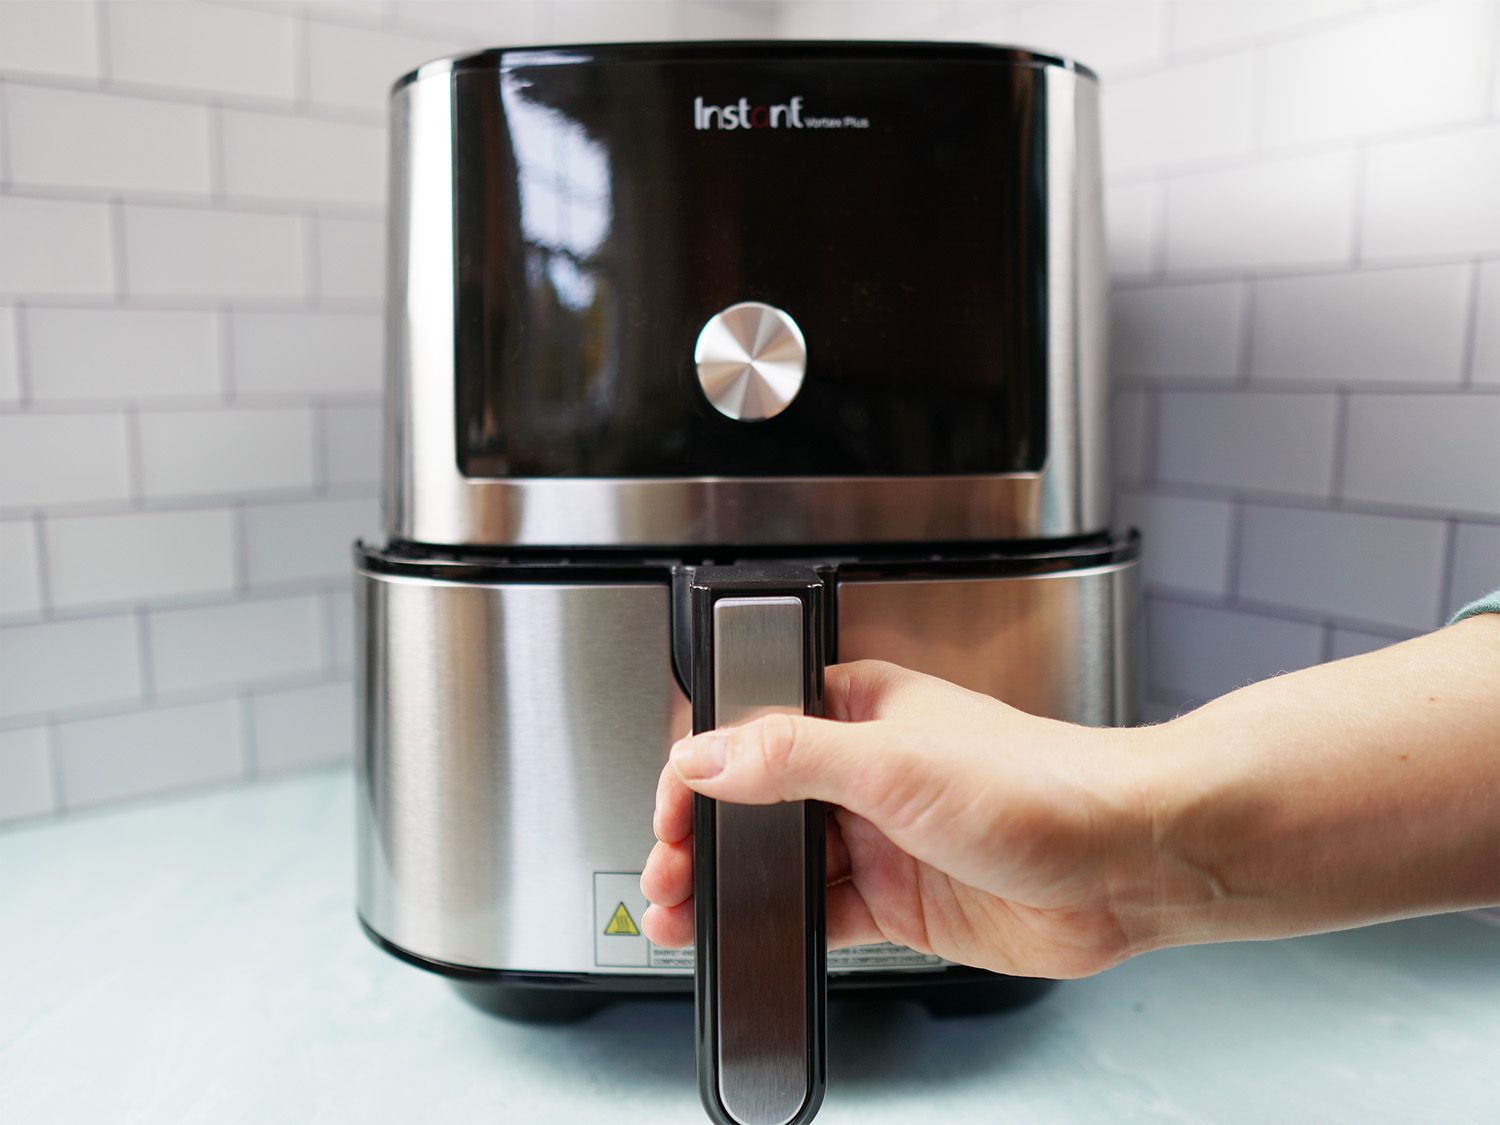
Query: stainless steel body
(429,500)
(512,733)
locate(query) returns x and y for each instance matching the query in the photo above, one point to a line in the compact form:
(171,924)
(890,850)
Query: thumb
(784,757)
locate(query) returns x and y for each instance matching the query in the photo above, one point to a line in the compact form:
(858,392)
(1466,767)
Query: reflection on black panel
(605,211)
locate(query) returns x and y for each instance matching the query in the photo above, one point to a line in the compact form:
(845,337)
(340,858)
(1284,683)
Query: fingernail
(699,757)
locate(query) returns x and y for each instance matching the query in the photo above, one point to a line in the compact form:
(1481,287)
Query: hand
(957,825)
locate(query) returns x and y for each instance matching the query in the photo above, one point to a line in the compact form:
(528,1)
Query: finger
(849,919)
(667,878)
(795,757)
(866,690)
(670,927)
(837,850)
(673,819)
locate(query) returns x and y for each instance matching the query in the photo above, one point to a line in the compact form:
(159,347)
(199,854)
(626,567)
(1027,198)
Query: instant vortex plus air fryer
(709,365)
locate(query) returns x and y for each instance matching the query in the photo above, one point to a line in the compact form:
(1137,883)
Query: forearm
(1357,791)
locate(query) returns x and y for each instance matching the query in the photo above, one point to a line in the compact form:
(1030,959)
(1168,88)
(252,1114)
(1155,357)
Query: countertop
(198,961)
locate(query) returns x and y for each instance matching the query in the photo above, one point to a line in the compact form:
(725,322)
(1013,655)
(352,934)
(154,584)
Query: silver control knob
(751,359)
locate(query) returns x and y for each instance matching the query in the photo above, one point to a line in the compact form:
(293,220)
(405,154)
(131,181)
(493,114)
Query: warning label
(618,941)
(618,906)
(620,922)
(882,955)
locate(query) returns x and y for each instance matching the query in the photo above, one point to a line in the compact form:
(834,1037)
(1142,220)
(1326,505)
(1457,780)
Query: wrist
(1164,890)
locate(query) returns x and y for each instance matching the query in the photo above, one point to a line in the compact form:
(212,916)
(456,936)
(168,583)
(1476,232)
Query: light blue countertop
(198,961)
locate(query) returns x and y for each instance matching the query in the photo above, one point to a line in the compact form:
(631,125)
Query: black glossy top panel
(892,203)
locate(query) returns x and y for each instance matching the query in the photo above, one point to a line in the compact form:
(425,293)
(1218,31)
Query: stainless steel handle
(759,879)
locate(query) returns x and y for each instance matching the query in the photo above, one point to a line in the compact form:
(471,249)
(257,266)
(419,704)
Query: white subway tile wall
(48,459)
(122,355)
(1194,331)
(349,263)
(1307,340)
(226,451)
(20,570)
(194,255)
(1240,440)
(115,143)
(1434,197)
(1476,547)
(224,645)
(55,247)
(289,353)
(59,665)
(45,37)
(1486,327)
(306,726)
(192,249)
(120,756)
(1268,214)
(10,364)
(1378,326)
(140,556)
(26,786)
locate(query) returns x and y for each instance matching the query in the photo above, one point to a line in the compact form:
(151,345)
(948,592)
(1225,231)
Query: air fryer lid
(890,199)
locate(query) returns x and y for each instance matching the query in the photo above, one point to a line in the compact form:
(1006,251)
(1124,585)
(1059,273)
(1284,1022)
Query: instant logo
(742,114)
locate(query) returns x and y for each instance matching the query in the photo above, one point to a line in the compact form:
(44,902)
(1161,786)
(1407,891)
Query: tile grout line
(302,64)
(1168,42)
(101,34)
(1325,643)
(1275,37)
(43,564)
(176,502)
(135,467)
(1471,325)
(1315,502)
(1151,439)
(1258,97)
(369,306)
(1234,550)
(249,757)
(23,352)
(1159,218)
(218,167)
(1492,88)
(57,776)
(269,400)
(1449,562)
(1357,218)
(312,249)
(327,618)
(1278,611)
(117,249)
(198,96)
(320,450)
(1340,448)
(1279,271)
(182,697)
(1246,351)
(4,136)
(290,208)
(1266,385)
(240,520)
(143,655)
(224,321)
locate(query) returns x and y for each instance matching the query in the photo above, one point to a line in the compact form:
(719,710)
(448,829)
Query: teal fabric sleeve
(1490,603)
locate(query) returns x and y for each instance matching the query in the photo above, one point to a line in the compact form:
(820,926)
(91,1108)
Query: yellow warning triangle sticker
(621,922)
